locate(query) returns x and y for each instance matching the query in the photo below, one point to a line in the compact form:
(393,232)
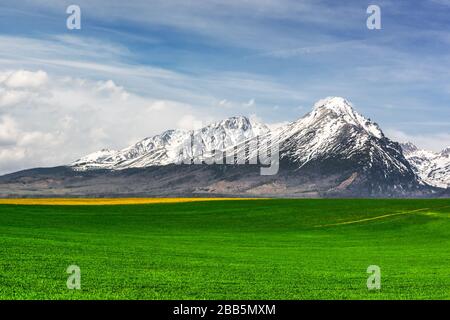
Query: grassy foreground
(260,249)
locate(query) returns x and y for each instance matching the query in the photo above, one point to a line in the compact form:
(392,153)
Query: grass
(261,249)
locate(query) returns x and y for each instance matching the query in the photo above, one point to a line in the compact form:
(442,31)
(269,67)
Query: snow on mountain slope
(170,146)
(432,167)
(333,130)
(332,134)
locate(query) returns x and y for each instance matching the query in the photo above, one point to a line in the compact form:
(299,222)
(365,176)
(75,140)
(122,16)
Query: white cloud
(12,97)
(8,131)
(110,88)
(272,126)
(20,86)
(276,125)
(250,103)
(224,103)
(10,156)
(310,50)
(31,139)
(26,79)
(190,122)
(56,120)
(19,147)
(84,58)
(434,141)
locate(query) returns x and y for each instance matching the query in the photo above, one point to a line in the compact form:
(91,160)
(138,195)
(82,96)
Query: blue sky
(175,63)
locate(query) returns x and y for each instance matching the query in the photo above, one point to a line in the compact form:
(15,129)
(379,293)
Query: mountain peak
(337,104)
(446,151)
(239,123)
(236,122)
(341,109)
(408,147)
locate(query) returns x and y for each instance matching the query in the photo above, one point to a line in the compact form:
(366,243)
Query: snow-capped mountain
(173,145)
(334,130)
(333,151)
(432,167)
(332,138)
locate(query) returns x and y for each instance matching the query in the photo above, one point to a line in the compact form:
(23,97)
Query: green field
(258,249)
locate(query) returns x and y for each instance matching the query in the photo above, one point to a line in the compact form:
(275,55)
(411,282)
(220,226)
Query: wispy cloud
(41,115)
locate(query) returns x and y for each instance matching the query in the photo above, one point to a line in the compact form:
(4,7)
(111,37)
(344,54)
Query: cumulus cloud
(20,86)
(49,120)
(110,88)
(190,122)
(18,146)
(12,97)
(8,131)
(10,156)
(25,79)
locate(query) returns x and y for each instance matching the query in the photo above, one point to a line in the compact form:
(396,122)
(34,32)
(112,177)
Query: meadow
(240,249)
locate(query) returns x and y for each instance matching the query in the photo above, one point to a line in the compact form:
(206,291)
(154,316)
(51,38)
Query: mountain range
(333,151)
(433,168)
